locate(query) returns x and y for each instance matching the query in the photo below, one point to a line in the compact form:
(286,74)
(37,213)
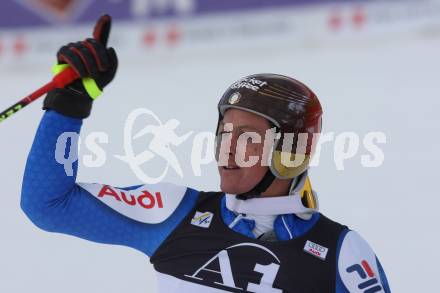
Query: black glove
(94,63)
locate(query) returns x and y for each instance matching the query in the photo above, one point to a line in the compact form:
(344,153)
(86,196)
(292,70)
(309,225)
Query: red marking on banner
(149,38)
(19,46)
(335,20)
(359,17)
(173,35)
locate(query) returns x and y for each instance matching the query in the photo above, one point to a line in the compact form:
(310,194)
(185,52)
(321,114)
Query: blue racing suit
(55,202)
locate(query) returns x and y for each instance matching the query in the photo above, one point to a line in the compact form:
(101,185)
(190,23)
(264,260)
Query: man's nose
(233,148)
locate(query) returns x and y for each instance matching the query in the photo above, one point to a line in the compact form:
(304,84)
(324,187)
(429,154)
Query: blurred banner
(32,30)
(21,13)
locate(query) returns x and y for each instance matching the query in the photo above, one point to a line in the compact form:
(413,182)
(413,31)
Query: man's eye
(249,136)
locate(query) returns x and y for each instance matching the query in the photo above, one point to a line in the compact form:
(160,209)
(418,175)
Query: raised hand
(93,62)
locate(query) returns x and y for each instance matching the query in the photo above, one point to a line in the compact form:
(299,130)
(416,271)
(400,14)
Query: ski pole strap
(89,83)
(58,68)
(91,87)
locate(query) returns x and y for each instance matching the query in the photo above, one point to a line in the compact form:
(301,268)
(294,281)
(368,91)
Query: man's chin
(230,188)
(227,190)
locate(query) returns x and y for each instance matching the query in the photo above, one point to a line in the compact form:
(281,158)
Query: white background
(366,81)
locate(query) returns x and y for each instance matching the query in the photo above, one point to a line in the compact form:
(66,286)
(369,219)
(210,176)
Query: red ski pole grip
(65,77)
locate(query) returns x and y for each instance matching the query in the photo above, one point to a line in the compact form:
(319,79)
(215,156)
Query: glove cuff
(68,102)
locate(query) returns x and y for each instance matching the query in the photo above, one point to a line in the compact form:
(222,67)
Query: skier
(262,233)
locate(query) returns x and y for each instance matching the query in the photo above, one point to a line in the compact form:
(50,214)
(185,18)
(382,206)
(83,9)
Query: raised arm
(141,216)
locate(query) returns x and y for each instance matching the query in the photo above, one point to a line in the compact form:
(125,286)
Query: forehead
(240,117)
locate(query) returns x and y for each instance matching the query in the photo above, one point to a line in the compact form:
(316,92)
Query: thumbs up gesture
(96,66)
(91,57)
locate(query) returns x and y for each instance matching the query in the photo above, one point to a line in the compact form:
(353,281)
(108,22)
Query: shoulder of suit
(357,265)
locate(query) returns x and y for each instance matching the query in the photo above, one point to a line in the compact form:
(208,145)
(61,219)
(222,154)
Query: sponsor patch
(202,219)
(149,203)
(316,250)
(234,98)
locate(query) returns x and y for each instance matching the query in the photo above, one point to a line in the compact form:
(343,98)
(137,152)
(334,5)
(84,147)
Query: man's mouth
(231,167)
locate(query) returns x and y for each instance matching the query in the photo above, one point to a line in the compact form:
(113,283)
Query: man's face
(238,166)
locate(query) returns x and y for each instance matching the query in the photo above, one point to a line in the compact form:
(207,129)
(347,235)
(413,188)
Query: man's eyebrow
(241,127)
(250,127)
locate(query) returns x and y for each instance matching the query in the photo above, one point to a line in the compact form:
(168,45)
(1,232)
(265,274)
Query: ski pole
(59,81)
